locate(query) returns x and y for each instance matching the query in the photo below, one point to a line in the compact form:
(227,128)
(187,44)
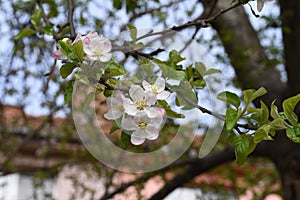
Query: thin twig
(70,19)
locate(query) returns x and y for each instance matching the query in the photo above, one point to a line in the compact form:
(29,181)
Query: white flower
(115,104)
(158,88)
(143,127)
(96,47)
(141,101)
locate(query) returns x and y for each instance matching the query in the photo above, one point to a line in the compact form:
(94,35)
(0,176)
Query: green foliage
(242,147)
(25,33)
(67,68)
(288,108)
(68,91)
(230,98)
(36,17)
(294,133)
(73,51)
(169,111)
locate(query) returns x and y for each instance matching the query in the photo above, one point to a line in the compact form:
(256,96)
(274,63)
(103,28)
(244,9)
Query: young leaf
(36,17)
(77,48)
(200,67)
(231,118)
(68,91)
(133,32)
(251,94)
(67,68)
(114,69)
(185,95)
(230,98)
(262,134)
(274,111)
(169,72)
(241,147)
(25,33)
(294,133)
(288,108)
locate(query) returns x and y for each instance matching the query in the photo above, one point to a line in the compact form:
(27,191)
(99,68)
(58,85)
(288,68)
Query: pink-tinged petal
(146,85)
(119,95)
(136,92)
(150,99)
(160,84)
(105,45)
(152,133)
(78,37)
(58,55)
(92,35)
(137,141)
(128,124)
(163,95)
(105,57)
(113,114)
(152,112)
(141,116)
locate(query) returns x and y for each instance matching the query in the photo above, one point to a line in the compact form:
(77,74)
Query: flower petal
(146,86)
(160,84)
(163,95)
(151,132)
(129,107)
(128,124)
(136,92)
(150,99)
(137,141)
(105,57)
(113,114)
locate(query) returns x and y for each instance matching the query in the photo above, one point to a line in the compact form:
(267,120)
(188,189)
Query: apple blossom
(143,127)
(115,104)
(140,101)
(97,47)
(158,88)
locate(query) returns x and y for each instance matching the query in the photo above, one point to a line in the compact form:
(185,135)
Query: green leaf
(201,68)
(185,93)
(212,71)
(125,138)
(133,32)
(168,109)
(36,17)
(68,91)
(48,29)
(169,72)
(88,100)
(117,4)
(77,48)
(25,33)
(251,94)
(264,113)
(262,134)
(231,118)
(288,108)
(241,147)
(175,57)
(294,133)
(115,126)
(114,69)
(274,111)
(67,68)
(66,48)
(230,98)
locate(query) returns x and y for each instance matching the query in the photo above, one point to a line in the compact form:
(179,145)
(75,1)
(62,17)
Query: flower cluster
(95,47)
(138,112)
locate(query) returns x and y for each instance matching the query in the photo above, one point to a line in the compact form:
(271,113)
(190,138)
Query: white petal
(160,84)
(128,124)
(105,57)
(113,114)
(151,112)
(129,107)
(152,132)
(150,99)
(163,95)
(146,86)
(137,141)
(136,92)
(105,45)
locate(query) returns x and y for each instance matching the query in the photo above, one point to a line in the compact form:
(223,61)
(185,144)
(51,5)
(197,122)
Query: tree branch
(202,165)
